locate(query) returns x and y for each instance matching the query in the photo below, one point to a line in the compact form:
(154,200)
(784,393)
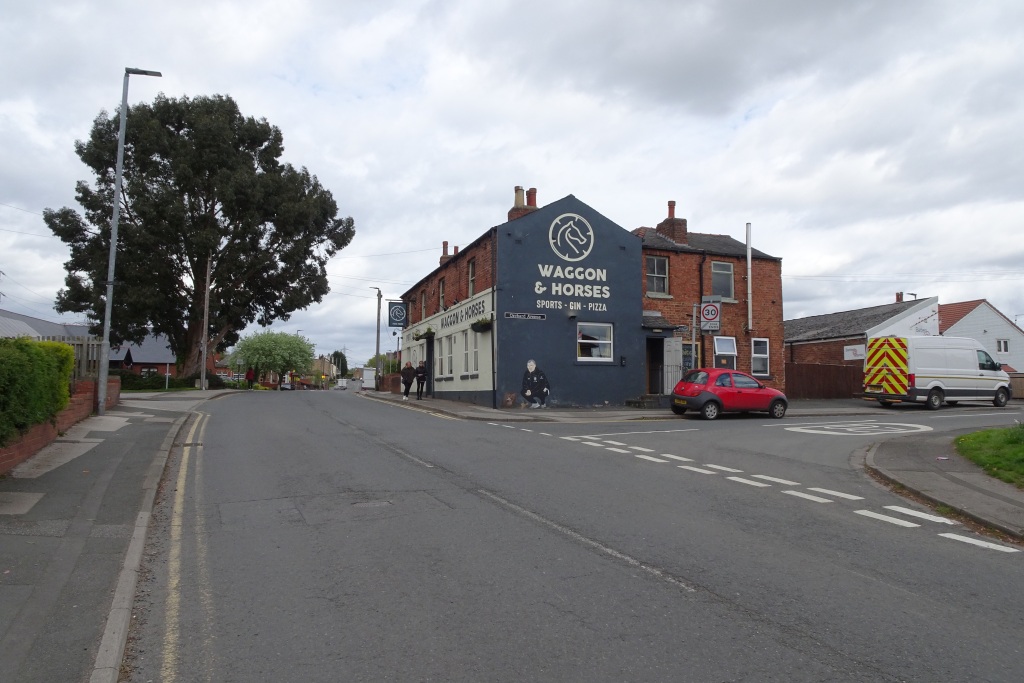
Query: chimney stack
(672,227)
(445,257)
(521,208)
(899,297)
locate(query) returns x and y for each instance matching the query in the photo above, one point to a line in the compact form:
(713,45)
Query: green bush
(34,384)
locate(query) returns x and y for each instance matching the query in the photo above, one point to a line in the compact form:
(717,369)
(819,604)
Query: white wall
(986,325)
(919,321)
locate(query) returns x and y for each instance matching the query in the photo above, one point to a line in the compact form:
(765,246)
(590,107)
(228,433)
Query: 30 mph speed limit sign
(709,317)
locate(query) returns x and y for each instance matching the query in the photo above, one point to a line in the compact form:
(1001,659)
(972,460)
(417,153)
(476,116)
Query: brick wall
(42,435)
(824,352)
(455,272)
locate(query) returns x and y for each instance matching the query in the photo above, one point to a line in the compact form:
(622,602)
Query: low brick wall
(42,435)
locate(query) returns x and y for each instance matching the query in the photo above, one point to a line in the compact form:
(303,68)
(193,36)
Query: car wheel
(885,404)
(777,409)
(710,410)
(934,401)
(677,410)
(1001,398)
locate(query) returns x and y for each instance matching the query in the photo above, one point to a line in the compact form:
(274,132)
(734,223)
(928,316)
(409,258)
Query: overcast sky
(874,146)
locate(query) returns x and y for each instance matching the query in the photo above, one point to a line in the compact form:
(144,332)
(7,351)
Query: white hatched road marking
(921,515)
(676,457)
(885,518)
(723,469)
(830,492)
(801,494)
(748,482)
(618,450)
(983,544)
(696,469)
(642,449)
(647,457)
(615,443)
(775,479)
(592,443)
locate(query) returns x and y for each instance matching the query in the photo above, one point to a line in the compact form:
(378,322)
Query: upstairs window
(1002,345)
(472,276)
(721,279)
(657,274)
(440,293)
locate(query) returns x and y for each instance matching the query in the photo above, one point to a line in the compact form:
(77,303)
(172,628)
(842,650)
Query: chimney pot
(520,202)
(671,208)
(531,197)
(899,297)
(456,252)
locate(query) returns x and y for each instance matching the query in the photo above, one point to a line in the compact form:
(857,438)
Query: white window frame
(465,350)
(656,276)
(725,346)
(1002,345)
(451,351)
(423,304)
(719,268)
(476,352)
(755,356)
(440,356)
(471,268)
(440,293)
(604,343)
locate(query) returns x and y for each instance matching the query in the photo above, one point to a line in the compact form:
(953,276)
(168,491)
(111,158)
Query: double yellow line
(172,607)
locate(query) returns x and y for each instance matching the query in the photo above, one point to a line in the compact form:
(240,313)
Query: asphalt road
(320,536)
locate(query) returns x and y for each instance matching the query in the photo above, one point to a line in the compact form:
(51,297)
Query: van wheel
(1001,398)
(934,401)
(709,411)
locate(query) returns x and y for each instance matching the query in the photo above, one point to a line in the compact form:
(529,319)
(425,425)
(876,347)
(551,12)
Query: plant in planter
(425,334)
(481,324)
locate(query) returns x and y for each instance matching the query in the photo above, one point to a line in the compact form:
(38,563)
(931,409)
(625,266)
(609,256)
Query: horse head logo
(571,237)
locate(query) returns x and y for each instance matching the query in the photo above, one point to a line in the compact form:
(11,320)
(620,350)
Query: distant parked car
(712,391)
(287,386)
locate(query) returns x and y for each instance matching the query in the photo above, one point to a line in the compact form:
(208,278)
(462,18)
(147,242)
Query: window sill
(659,295)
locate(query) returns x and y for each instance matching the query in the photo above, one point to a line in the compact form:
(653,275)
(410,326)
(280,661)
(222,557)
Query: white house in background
(981,320)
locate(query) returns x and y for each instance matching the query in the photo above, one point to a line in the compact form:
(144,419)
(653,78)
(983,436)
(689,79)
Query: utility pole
(376,379)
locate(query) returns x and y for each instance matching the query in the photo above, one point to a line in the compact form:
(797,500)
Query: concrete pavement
(73,518)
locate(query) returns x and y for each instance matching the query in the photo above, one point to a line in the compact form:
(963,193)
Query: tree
(203,186)
(275,352)
(340,362)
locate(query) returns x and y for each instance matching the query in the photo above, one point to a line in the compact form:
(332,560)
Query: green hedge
(34,384)
(132,382)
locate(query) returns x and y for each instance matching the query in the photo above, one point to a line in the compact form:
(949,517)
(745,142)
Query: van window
(985,361)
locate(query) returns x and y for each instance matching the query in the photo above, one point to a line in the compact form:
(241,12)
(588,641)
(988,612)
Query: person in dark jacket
(421,380)
(535,385)
(408,375)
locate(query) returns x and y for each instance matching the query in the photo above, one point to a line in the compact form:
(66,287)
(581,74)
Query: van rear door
(886,374)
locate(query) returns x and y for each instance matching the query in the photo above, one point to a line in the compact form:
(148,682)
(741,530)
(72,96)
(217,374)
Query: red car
(712,391)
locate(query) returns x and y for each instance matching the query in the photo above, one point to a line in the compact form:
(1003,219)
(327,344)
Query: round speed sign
(709,312)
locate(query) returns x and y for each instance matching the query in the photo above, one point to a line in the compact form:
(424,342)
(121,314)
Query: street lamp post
(376,379)
(101,389)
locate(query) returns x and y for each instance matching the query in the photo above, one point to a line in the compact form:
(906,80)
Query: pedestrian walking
(408,375)
(421,380)
(250,377)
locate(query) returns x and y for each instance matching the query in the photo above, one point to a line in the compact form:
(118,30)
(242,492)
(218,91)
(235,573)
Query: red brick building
(681,271)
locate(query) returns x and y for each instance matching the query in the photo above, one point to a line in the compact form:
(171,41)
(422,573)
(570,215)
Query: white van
(933,371)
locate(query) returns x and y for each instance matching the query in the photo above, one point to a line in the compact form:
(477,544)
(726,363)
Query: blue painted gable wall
(563,260)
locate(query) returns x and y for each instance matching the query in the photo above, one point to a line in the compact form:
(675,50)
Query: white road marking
(983,544)
(615,443)
(647,457)
(651,431)
(801,494)
(921,515)
(748,482)
(592,443)
(696,469)
(837,494)
(618,450)
(885,518)
(525,429)
(543,433)
(719,467)
(775,479)
(641,448)
(676,457)
(801,424)
(569,438)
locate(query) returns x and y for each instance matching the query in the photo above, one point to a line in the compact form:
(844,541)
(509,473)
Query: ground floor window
(594,342)
(451,344)
(476,352)
(725,352)
(465,351)
(759,357)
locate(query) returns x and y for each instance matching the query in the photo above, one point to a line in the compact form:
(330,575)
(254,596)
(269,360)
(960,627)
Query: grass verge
(1000,452)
